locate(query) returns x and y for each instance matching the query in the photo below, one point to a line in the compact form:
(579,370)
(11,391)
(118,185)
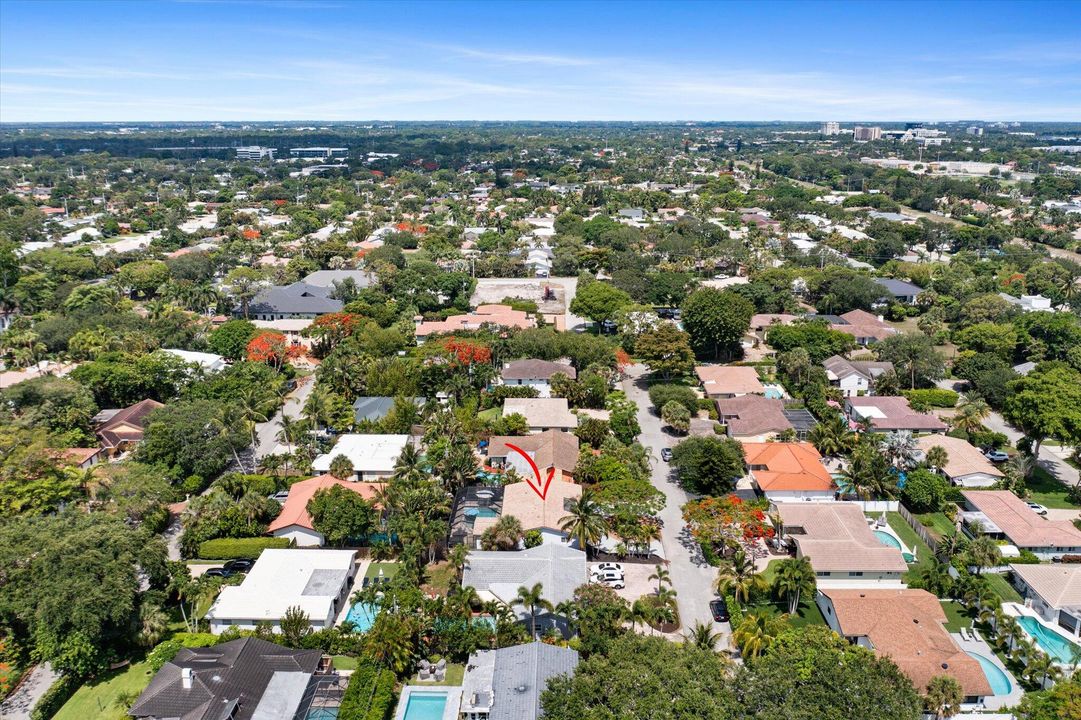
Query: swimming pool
(887,539)
(773,392)
(322,713)
(1056,646)
(425,706)
(484,512)
(998,680)
(362,615)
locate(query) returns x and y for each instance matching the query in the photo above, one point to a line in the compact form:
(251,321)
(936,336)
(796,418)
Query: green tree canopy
(716,320)
(341,515)
(708,465)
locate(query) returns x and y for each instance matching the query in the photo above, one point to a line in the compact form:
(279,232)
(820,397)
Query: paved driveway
(692,577)
(19,704)
(266,434)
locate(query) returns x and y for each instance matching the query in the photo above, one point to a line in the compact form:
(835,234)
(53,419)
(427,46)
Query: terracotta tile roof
(542,412)
(961,457)
(729,379)
(520,501)
(908,627)
(551,448)
(892,413)
(836,538)
(1019,523)
(501,315)
(1059,585)
(295,509)
(536,370)
(786,466)
(752,415)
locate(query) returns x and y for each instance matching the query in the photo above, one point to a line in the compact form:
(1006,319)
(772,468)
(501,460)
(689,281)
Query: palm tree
(757,632)
(586,523)
(153,623)
(251,403)
(408,466)
(948,546)
(533,599)
(458,557)
(900,447)
(943,696)
(568,609)
(937,457)
(702,636)
(983,552)
(662,577)
(832,437)
(794,577)
(640,612)
(739,576)
(970,414)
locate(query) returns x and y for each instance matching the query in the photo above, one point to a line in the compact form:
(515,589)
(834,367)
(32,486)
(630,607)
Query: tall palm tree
(757,632)
(944,696)
(702,636)
(739,576)
(533,599)
(408,466)
(251,402)
(585,523)
(832,437)
(983,552)
(794,577)
(662,577)
(970,414)
(900,447)
(640,612)
(458,557)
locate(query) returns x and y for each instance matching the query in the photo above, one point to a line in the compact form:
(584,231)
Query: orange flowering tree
(725,522)
(467,351)
(330,329)
(272,348)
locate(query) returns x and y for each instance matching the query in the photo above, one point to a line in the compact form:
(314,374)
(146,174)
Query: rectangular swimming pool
(425,706)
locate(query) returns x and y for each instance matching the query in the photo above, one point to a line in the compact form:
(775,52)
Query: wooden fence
(917,526)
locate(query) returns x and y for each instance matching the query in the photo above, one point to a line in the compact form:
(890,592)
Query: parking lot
(636,577)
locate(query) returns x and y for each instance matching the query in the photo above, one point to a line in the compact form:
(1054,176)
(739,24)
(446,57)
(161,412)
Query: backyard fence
(877,505)
(918,527)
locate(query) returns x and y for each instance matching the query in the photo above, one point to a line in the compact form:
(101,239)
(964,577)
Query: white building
(373,456)
(209,362)
(316,581)
(1028,303)
(255,152)
(1053,592)
(831,128)
(319,153)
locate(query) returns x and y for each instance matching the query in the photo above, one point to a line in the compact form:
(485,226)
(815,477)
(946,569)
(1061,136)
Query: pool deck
(358,581)
(450,710)
(980,647)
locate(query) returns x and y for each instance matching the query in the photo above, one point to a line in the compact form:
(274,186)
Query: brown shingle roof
(522,502)
(551,448)
(1019,523)
(753,415)
(961,457)
(908,627)
(126,425)
(729,379)
(536,369)
(837,539)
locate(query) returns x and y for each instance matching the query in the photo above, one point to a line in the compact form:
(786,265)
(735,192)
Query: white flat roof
(283,578)
(368,453)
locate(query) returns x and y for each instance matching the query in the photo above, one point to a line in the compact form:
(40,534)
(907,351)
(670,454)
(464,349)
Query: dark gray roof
(899,288)
(233,673)
(376,408)
(299,298)
(522,673)
(801,419)
(327,278)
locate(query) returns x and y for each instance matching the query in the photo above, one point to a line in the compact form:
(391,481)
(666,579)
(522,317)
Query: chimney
(185,678)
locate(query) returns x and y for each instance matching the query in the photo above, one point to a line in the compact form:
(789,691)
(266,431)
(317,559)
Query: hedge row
(370,695)
(229,548)
(931,397)
(54,698)
(735,612)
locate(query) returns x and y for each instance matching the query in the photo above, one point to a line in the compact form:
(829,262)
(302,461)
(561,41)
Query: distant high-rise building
(974,130)
(866,134)
(320,153)
(255,152)
(831,128)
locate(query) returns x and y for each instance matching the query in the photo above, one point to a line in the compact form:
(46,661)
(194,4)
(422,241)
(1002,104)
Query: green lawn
(956,618)
(912,540)
(441,576)
(98,698)
(491,414)
(1002,587)
(389,570)
(939,524)
(455,674)
(344,662)
(1046,490)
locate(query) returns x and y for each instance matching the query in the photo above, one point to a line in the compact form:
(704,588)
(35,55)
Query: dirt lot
(493,290)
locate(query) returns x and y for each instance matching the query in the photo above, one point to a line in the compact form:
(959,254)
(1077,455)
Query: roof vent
(520,688)
(185,678)
(916,620)
(945,666)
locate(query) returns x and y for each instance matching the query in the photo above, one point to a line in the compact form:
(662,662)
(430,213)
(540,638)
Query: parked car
(219,572)
(719,608)
(281,496)
(1037,508)
(607,576)
(241,565)
(615,584)
(608,566)
(666,454)
(996,456)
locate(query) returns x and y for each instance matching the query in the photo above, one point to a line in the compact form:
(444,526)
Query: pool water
(998,680)
(322,714)
(773,392)
(425,706)
(484,512)
(1056,646)
(362,615)
(889,540)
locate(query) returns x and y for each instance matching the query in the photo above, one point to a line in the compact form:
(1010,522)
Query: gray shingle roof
(899,288)
(376,408)
(560,569)
(299,298)
(233,672)
(519,675)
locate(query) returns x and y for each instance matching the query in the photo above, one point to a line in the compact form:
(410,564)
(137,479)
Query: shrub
(735,612)
(1027,558)
(931,397)
(709,406)
(988,439)
(229,548)
(924,491)
(661,395)
(162,653)
(54,698)
(370,694)
(533,538)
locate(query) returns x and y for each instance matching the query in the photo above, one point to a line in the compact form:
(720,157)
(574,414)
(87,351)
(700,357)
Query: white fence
(877,505)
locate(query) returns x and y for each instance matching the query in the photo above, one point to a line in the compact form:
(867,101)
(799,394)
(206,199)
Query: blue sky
(346,60)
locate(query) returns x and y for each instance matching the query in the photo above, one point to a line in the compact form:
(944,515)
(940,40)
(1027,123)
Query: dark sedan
(720,610)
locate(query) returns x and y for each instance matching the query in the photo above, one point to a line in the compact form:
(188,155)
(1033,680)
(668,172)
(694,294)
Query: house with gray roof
(497,575)
(854,377)
(899,290)
(246,679)
(374,409)
(299,300)
(327,278)
(506,684)
(536,374)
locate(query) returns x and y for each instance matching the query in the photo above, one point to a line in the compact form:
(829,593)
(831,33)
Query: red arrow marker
(540,488)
